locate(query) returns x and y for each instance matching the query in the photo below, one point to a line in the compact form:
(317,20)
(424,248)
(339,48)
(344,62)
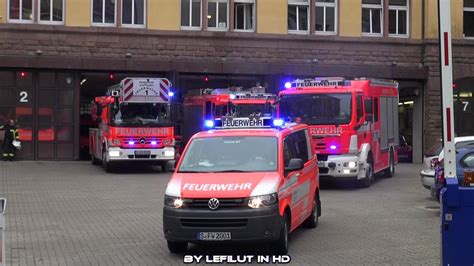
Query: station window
(398,18)
(20,11)
(103,12)
(133,13)
(372,17)
(217,14)
(51,11)
(244,15)
(298,16)
(326,16)
(468,18)
(191,14)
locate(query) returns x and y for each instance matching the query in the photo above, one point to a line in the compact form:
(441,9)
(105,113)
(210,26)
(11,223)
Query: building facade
(55,55)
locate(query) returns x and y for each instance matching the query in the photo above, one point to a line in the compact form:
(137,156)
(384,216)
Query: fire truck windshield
(138,114)
(244,110)
(317,109)
(230,154)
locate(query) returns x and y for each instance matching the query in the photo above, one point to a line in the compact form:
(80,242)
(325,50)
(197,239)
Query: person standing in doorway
(11,134)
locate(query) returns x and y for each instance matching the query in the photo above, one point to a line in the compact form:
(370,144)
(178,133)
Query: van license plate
(142,153)
(214,236)
(322,164)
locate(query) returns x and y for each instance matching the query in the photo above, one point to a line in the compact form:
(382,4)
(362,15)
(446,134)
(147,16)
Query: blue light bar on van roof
(209,124)
(244,122)
(318,82)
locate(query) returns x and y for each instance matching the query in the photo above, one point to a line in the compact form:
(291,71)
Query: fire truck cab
(134,124)
(353,124)
(208,104)
(243,181)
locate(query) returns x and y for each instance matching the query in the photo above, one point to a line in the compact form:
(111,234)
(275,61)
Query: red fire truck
(133,124)
(208,104)
(353,123)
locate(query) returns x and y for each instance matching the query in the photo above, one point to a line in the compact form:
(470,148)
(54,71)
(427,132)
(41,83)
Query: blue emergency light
(278,122)
(244,122)
(287,85)
(171,94)
(209,124)
(333,147)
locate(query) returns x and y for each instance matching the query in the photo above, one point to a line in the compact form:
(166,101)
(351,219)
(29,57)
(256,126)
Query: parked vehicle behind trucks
(133,124)
(353,124)
(208,104)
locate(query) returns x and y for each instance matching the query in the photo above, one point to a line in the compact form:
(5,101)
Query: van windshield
(317,109)
(230,154)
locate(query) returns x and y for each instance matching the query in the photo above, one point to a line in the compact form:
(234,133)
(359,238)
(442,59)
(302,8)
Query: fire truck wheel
(390,171)
(105,164)
(177,247)
(313,219)
(164,167)
(94,160)
(369,173)
(280,246)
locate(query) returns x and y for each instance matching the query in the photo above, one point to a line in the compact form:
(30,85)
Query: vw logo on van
(142,140)
(213,204)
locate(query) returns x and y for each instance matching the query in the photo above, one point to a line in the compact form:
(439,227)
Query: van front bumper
(245,225)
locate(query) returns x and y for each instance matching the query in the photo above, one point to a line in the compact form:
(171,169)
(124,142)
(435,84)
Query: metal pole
(446,68)
(3,255)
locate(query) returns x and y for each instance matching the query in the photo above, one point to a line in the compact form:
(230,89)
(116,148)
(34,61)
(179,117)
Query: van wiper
(191,172)
(231,171)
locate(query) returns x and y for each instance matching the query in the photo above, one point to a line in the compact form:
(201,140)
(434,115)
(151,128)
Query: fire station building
(56,55)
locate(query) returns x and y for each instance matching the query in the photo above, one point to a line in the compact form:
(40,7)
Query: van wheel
(105,164)
(177,247)
(313,219)
(280,246)
(390,171)
(369,173)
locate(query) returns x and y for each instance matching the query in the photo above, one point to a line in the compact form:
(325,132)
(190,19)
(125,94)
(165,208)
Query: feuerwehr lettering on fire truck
(142,131)
(326,131)
(217,187)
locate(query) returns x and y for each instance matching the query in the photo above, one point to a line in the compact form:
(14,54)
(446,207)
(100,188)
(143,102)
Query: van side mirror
(294,165)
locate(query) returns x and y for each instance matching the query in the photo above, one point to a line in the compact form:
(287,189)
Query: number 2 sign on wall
(23,97)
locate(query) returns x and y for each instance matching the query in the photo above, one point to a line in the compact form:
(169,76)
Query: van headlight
(263,201)
(174,202)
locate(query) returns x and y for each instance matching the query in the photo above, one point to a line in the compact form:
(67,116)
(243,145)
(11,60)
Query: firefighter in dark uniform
(11,134)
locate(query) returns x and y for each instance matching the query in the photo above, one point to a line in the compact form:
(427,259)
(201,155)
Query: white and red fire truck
(353,124)
(133,124)
(208,104)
